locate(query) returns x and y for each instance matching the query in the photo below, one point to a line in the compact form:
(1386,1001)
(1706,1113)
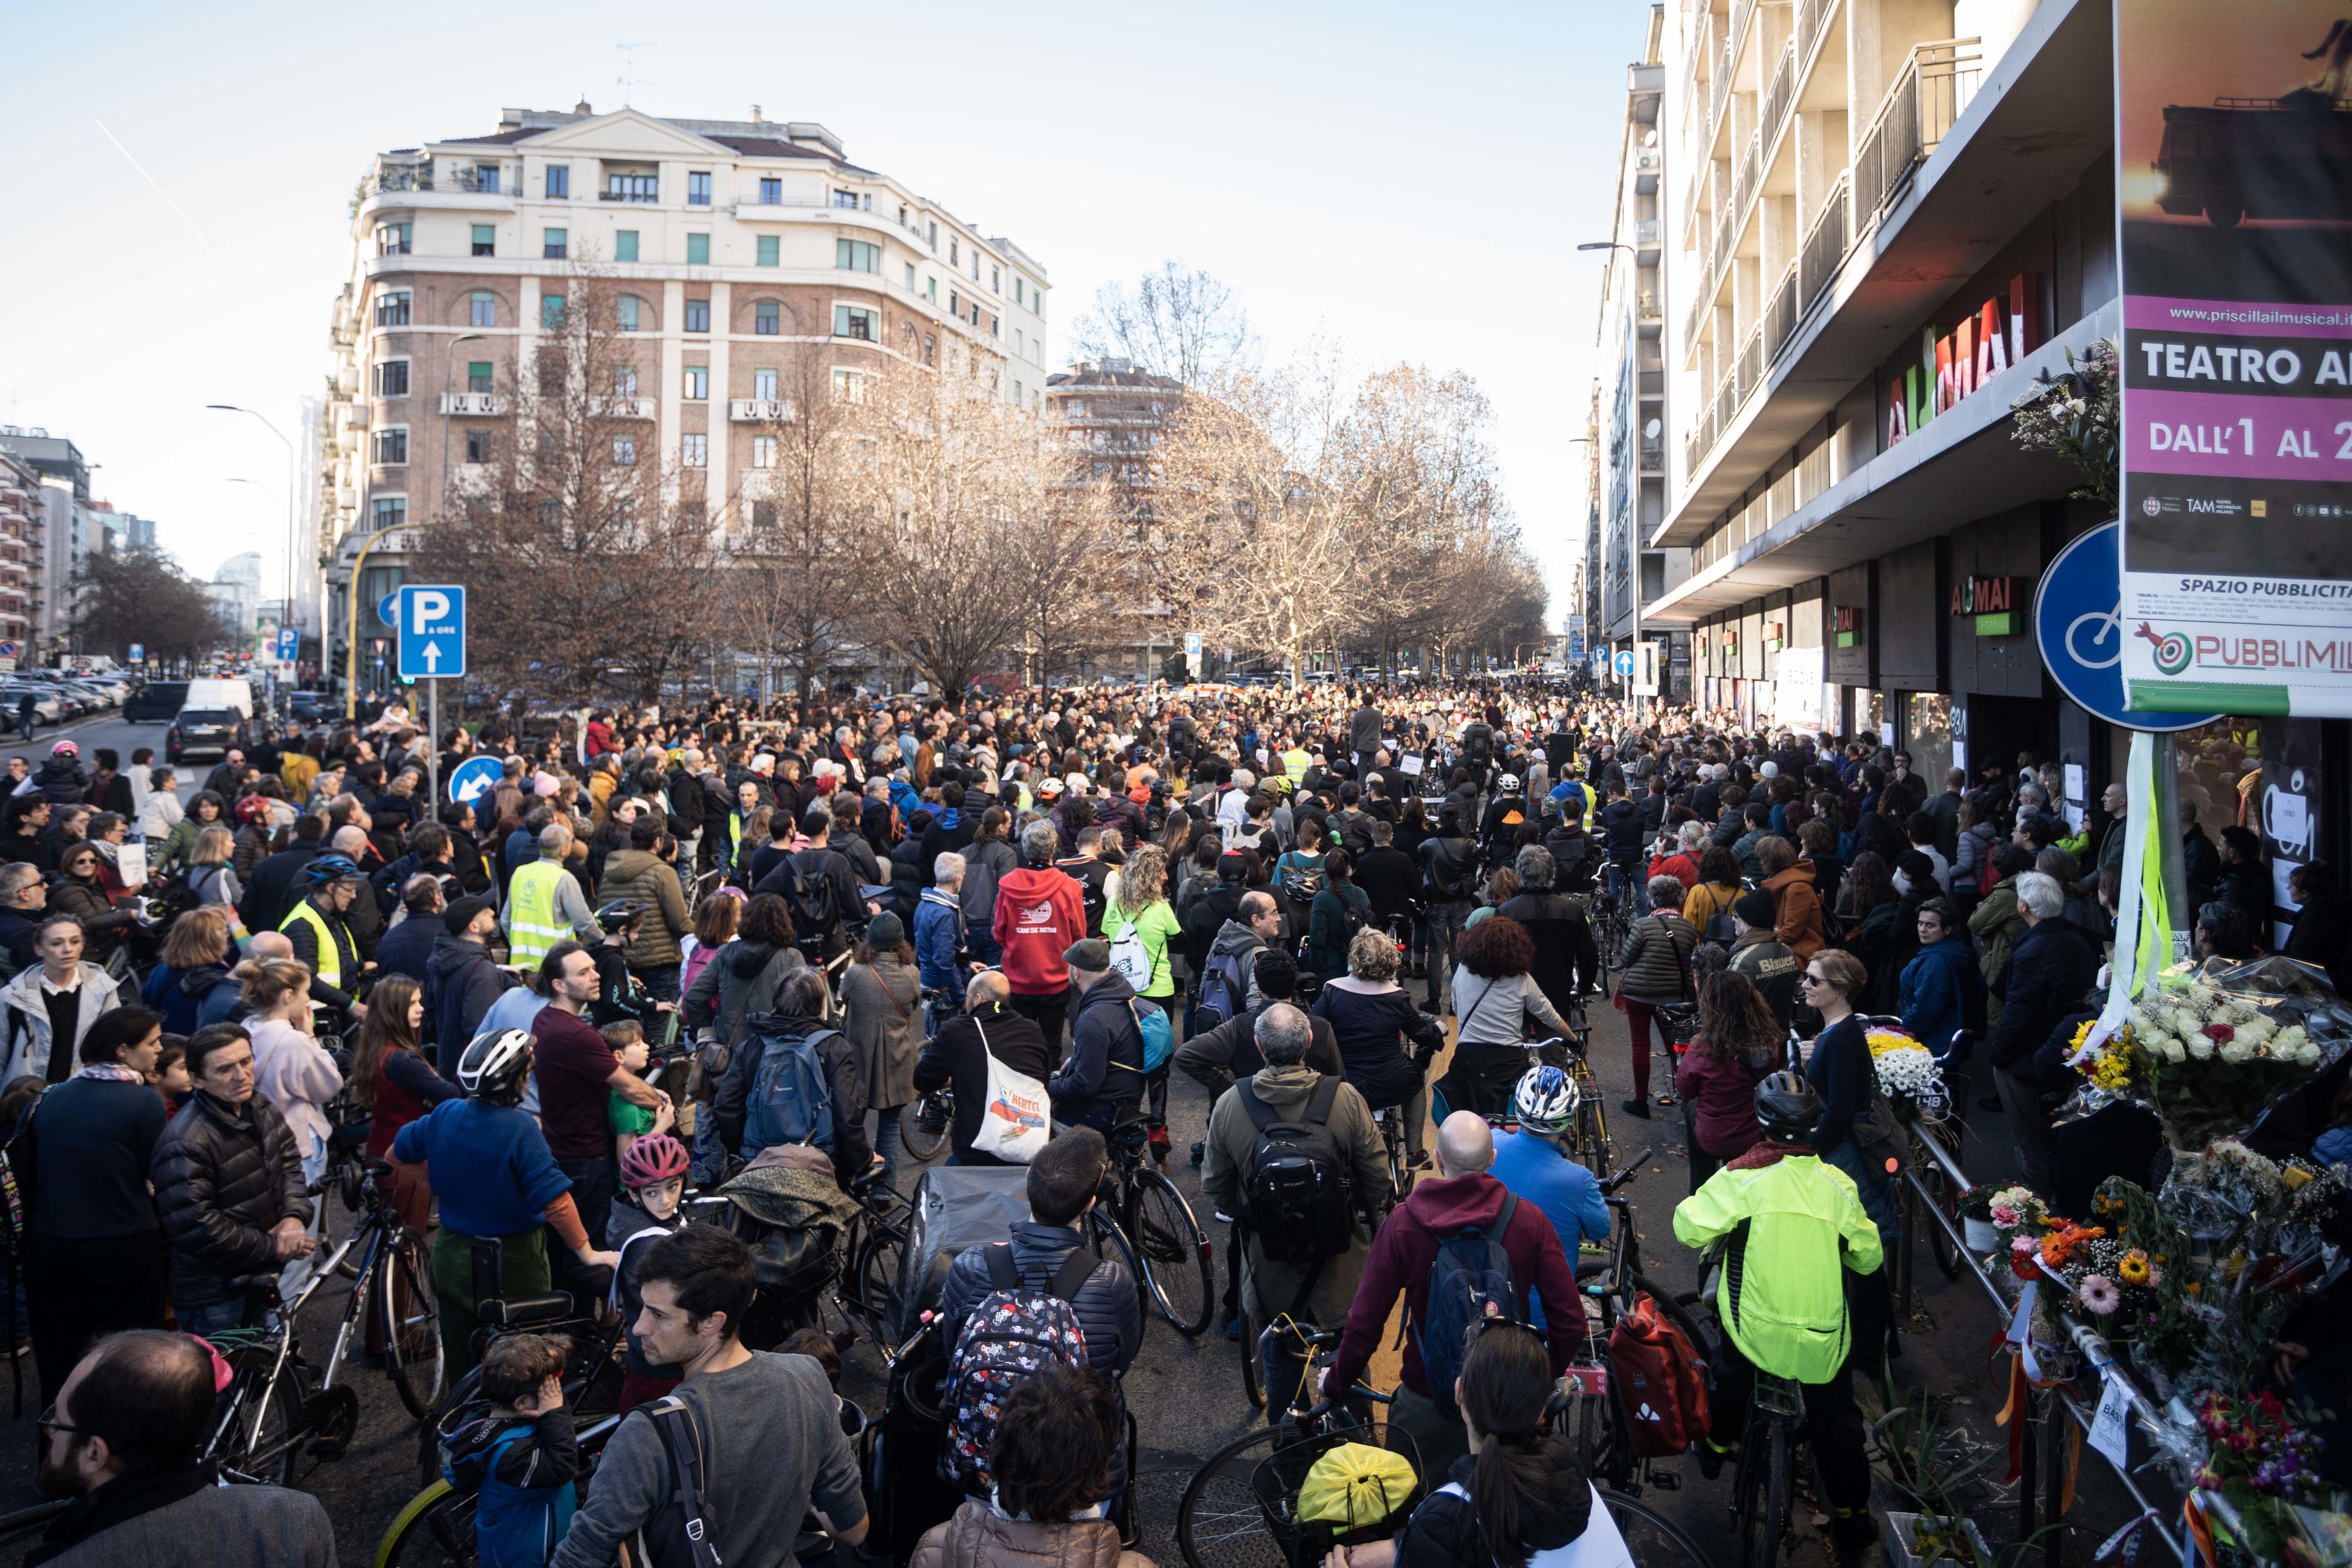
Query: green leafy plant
(2077,412)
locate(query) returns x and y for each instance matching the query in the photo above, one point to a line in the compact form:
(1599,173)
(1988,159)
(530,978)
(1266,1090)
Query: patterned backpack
(1014,1331)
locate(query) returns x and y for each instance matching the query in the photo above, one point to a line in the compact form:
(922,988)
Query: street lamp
(274,430)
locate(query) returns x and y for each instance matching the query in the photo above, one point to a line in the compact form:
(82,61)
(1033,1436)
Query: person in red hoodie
(1403,1255)
(1040,911)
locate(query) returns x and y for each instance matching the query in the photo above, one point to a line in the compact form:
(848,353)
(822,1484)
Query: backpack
(1015,1331)
(979,880)
(675,1425)
(1159,1033)
(1225,993)
(810,895)
(1470,1278)
(1295,1197)
(1301,882)
(1661,1382)
(1353,916)
(791,1100)
(1130,959)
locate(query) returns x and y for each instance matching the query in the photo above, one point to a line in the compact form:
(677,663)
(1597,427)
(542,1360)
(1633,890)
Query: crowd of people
(823,910)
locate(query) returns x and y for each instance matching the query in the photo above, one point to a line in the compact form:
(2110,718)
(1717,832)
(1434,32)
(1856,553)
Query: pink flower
(2100,1295)
(2004,1216)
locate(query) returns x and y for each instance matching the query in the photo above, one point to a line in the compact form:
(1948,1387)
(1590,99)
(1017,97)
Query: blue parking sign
(431,620)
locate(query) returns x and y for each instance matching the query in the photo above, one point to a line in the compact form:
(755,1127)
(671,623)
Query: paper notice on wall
(2075,816)
(2075,782)
(1886,734)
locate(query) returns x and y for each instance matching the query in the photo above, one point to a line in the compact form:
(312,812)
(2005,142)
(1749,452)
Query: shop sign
(1995,601)
(1775,634)
(1845,625)
(2235,400)
(1998,334)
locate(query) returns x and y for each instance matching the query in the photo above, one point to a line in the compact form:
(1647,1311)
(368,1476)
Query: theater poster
(2233,140)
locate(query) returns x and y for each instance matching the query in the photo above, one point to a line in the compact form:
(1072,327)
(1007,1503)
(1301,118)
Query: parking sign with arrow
(432,627)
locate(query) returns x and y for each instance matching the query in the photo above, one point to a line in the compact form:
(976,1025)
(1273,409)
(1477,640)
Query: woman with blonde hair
(1139,924)
(1386,1042)
(194,964)
(290,1068)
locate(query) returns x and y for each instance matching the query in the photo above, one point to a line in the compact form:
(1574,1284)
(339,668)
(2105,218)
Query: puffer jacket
(62,779)
(221,1181)
(637,874)
(978,1537)
(1796,910)
(1657,960)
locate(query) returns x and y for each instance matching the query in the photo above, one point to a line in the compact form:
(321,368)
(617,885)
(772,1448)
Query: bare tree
(1179,321)
(140,595)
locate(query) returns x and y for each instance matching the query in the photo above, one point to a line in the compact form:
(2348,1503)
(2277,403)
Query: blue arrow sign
(290,644)
(474,778)
(2078,626)
(431,620)
(1624,661)
(386,609)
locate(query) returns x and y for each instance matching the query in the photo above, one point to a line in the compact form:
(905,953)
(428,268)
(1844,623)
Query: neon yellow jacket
(1782,1298)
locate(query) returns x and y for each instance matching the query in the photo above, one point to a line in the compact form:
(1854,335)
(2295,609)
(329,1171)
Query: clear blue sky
(1410,180)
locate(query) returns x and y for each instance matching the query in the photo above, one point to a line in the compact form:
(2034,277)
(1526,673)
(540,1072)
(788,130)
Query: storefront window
(1871,715)
(1926,733)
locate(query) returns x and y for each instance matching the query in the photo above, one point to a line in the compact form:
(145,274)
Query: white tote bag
(1017,1118)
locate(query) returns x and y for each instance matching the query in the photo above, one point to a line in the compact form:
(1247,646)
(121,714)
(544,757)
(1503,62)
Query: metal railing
(473,403)
(1930,88)
(1699,308)
(1752,364)
(1752,171)
(762,410)
(1780,314)
(1779,95)
(1824,249)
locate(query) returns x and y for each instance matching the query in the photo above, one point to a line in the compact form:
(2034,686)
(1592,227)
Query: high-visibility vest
(330,971)
(531,925)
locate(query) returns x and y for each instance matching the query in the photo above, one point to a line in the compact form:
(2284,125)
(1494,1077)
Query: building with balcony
(22,514)
(733,245)
(1110,413)
(70,528)
(1632,412)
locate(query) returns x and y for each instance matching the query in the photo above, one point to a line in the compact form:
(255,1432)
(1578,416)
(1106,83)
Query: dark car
(156,700)
(307,705)
(214,730)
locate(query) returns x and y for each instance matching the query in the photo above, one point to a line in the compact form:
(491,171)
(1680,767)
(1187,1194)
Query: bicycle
(1764,1487)
(1941,1125)
(876,1242)
(1163,1237)
(923,1125)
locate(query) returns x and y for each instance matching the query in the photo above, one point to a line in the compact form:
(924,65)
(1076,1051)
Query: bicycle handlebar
(1625,1171)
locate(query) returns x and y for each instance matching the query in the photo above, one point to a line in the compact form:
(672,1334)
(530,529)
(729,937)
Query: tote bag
(1017,1116)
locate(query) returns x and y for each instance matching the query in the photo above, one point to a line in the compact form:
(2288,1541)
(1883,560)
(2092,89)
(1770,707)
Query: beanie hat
(1756,909)
(885,930)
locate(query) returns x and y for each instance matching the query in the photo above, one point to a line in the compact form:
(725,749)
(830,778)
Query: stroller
(787,1209)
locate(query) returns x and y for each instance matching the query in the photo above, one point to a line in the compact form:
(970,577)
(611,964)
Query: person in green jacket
(1790,1225)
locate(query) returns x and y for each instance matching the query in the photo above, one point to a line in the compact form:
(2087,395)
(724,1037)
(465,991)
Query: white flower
(2235,1052)
(2201,1047)
(2174,1051)
(2307,1054)
(2185,1022)
(2290,1038)
(2257,1029)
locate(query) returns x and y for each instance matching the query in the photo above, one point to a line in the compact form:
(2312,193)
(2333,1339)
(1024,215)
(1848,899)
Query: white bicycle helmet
(493,1067)
(1545,1099)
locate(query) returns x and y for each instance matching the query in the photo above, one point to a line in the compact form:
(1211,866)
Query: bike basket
(1780,1395)
(1337,1489)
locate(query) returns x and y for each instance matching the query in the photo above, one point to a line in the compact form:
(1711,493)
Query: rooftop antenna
(628,79)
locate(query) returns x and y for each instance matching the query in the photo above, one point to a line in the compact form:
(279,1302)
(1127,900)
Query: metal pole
(433,742)
(2168,826)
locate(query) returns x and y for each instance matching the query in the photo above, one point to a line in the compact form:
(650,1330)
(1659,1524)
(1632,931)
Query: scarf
(111,1072)
(1764,1153)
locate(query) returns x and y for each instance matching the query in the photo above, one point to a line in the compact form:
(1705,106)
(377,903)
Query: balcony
(476,403)
(416,185)
(621,408)
(1825,245)
(1648,315)
(1647,161)
(1931,89)
(760,410)
(1647,235)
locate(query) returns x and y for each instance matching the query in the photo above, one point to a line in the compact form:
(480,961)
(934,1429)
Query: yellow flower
(2293,1177)
(2134,1267)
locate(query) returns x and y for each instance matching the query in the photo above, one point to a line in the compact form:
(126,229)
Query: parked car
(155,702)
(308,706)
(213,729)
(45,703)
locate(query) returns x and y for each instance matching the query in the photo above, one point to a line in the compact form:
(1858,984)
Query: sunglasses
(1811,980)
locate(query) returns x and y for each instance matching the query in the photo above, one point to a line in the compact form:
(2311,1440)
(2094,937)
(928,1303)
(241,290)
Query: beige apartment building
(733,247)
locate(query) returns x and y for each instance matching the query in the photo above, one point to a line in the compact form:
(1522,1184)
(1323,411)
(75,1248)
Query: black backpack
(815,909)
(1224,993)
(1295,1194)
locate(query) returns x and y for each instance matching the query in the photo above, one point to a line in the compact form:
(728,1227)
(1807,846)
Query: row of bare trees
(899,515)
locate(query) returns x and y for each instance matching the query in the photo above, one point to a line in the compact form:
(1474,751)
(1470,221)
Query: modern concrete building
(24,513)
(71,528)
(729,247)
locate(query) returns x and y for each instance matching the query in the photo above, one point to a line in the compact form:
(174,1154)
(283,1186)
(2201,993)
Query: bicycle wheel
(922,1145)
(410,1316)
(1253,1371)
(1592,1127)
(875,1273)
(1106,1240)
(435,1530)
(1218,1522)
(1176,1260)
(267,1430)
(1769,1487)
(1651,1539)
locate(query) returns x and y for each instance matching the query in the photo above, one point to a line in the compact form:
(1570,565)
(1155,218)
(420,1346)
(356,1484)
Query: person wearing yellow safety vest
(1791,1225)
(323,941)
(747,801)
(545,904)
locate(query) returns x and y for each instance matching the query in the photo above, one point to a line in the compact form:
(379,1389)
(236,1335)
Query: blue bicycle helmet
(325,870)
(1545,1099)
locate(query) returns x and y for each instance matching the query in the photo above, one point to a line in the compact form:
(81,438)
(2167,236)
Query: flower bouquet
(1907,1075)
(2262,1462)
(2208,1061)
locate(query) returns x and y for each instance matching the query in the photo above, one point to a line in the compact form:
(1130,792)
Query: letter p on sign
(427,607)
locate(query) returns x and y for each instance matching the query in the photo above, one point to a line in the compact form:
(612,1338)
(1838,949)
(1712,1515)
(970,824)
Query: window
(772,191)
(698,190)
(1016,393)
(632,187)
(550,310)
(697,315)
(554,245)
(955,257)
(763,515)
(624,381)
(849,321)
(625,244)
(624,450)
(559,181)
(768,247)
(482,310)
(931,347)
(694,451)
(389,511)
(478,446)
(392,238)
(910,278)
(767,319)
(1018,346)
(931,288)
(849,386)
(992,322)
(763,386)
(392,309)
(392,447)
(392,378)
(935,237)
(697,250)
(1040,303)
(624,312)
(486,239)
(763,451)
(1018,298)
(856,256)
(486,179)
(845,199)
(995,281)
(955,304)
(697,383)
(477,375)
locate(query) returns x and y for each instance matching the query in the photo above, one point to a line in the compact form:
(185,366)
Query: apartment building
(1110,413)
(23,515)
(731,245)
(1632,405)
(70,528)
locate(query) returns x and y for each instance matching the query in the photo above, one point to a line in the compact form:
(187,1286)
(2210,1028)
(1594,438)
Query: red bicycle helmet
(656,1157)
(253,808)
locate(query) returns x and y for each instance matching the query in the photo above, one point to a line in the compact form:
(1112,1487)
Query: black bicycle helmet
(618,913)
(1788,1108)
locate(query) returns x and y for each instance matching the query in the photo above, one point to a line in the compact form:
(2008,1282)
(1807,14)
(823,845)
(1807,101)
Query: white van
(211,696)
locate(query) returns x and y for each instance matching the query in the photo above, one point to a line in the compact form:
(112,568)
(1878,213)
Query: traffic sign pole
(432,740)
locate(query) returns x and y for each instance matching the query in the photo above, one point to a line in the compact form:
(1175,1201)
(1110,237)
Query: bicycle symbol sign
(2078,626)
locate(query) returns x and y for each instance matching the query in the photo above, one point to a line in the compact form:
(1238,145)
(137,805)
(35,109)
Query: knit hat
(885,930)
(1756,909)
(544,786)
(459,915)
(1091,954)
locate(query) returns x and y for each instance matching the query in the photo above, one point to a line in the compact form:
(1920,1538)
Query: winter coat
(1771,968)
(1657,960)
(957,1059)
(460,983)
(1996,925)
(986,865)
(1567,958)
(1620,829)
(1371,1028)
(637,874)
(907,878)
(938,929)
(1103,1077)
(1039,913)
(1723,1099)
(731,1105)
(2322,936)
(179,994)
(1796,911)
(739,984)
(882,1014)
(1968,855)
(222,1179)
(25,1041)
(978,1537)
(407,948)
(2050,968)
(1444,1530)
(1271,1287)
(89,903)
(1106,1304)
(1942,992)
(62,779)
